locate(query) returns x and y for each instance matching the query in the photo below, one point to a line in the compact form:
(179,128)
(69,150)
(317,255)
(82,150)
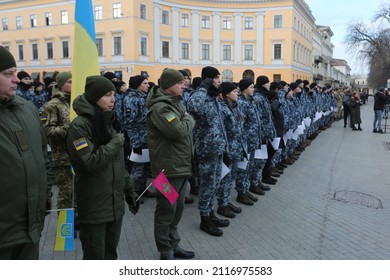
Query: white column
(195,36)
(237,38)
(260,38)
(175,40)
(156,28)
(216,37)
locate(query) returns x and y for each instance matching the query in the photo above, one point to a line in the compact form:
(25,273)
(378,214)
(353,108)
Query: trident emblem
(167,188)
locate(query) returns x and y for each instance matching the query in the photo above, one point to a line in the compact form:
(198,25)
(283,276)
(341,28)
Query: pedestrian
(95,145)
(25,192)
(24,86)
(55,120)
(171,149)
(40,96)
(135,111)
(236,148)
(354,105)
(111,76)
(346,98)
(380,100)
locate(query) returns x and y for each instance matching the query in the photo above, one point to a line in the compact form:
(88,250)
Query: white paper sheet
(140,158)
(275,143)
(225,170)
(261,153)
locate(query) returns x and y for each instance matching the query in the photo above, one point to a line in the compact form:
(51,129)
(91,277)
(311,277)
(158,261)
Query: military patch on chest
(80,144)
(170,117)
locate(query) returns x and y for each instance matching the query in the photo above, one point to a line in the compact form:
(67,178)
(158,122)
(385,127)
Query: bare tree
(371,44)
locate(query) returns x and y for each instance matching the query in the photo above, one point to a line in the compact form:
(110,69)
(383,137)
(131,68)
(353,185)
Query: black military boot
(224,210)
(208,226)
(244,199)
(217,221)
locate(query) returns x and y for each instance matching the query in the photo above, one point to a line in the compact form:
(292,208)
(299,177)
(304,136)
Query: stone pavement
(324,206)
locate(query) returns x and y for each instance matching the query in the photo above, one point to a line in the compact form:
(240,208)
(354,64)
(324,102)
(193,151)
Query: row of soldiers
(232,132)
(277,120)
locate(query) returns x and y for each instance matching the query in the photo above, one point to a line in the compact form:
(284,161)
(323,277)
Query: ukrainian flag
(65,231)
(85,55)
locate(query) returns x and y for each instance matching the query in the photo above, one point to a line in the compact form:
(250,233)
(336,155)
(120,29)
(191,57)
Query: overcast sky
(337,14)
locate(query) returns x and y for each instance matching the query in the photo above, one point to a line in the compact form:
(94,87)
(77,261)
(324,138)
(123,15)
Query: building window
(205,52)
(227,75)
(248,52)
(116,10)
(206,22)
(21,52)
(49,49)
(185,20)
(64,17)
(33,20)
(65,49)
(5,24)
(295,23)
(165,49)
(277,51)
(142,11)
(278,21)
(227,52)
(165,17)
(99,46)
(248,23)
(144,46)
(117,45)
(99,12)
(19,22)
(185,50)
(277,77)
(226,22)
(34,49)
(48,19)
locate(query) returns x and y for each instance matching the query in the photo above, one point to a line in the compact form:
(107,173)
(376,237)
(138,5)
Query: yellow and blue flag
(85,55)
(65,231)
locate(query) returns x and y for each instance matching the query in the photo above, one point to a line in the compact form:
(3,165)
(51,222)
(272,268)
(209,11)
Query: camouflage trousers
(225,187)
(140,173)
(242,180)
(64,181)
(255,169)
(209,172)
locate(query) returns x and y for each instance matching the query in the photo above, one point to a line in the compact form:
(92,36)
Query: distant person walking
(380,100)
(354,105)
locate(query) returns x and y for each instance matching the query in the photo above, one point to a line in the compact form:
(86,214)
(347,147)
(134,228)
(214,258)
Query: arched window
(227,75)
(248,74)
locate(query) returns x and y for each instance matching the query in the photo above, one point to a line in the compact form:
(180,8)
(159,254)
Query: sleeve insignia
(80,144)
(170,117)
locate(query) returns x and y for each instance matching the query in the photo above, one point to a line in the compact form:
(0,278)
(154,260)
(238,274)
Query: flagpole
(146,189)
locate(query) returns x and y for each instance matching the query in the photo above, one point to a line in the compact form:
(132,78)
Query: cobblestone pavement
(324,206)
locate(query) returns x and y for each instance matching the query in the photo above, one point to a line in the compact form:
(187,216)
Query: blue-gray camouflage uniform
(237,147)
(210,145)
(135,112)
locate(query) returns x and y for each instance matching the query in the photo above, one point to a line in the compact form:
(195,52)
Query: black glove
(133,203)
(207,83)
(226,159)
(138,151)
(48,203)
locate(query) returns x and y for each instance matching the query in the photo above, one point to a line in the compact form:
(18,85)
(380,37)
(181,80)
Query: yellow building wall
(131,27)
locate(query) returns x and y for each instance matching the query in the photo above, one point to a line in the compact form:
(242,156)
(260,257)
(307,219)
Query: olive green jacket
(169,135)
(101,179)
(23,174)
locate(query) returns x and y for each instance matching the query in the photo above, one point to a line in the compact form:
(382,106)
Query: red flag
(162,184)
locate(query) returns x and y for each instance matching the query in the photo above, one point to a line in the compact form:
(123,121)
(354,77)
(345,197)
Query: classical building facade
(241,38)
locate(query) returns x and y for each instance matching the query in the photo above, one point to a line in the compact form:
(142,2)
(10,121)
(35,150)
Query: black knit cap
(184,73)
(261,80)
(313,85)
(48,81)
(96,87)
(244,84)
(196,82)
(283,83)
(109,75)
(118,85)
(293,86)
(306,83)
(299,81)
(274,86)
(227,87)
(136,81)
(6,59)
(22,74)
(209,72)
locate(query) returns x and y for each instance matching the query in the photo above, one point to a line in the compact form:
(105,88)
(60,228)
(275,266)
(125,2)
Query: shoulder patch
(80,144)
(43,117)
(170,117)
